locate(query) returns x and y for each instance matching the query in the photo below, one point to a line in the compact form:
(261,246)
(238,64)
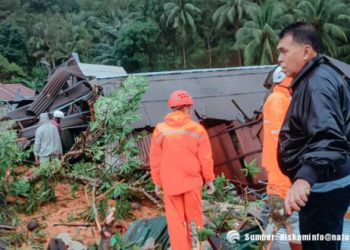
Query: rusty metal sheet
(49,92)
(70,95)
(250,146)
(57,80)
(75,120)
(223,153)
(144,145)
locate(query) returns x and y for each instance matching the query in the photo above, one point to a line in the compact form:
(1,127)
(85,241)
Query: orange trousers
(180,210)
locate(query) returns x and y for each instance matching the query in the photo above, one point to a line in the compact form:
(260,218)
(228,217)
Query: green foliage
(225,191)
(181,16)
(84,169)
(52,38)
(187,33)
(12,43)
(52,6)
(37,79)
(205,233)
(20,187)
(231,12)
(137,44)
(117,243)
(332,19)
(49,168)
(115,115)
(105,31)
(250,169)
(120,190)
(10,72)
(124,198)
(40,193)
(74,188)
(10,155)
(258,36)
(10,152)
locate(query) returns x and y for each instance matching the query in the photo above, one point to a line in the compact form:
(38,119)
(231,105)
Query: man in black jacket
(314,150)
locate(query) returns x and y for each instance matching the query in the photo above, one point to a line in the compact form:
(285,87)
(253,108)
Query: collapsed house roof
(66,89)
(218,93)
(225,95)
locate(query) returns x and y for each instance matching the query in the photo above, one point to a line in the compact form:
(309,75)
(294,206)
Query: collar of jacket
(306,70)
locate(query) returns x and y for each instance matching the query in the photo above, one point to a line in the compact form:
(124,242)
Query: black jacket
(314,138)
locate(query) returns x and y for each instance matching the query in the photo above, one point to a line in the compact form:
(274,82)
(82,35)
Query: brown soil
(71,210)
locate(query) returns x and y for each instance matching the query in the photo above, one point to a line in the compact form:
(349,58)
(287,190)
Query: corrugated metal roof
(212,90)
(102,71)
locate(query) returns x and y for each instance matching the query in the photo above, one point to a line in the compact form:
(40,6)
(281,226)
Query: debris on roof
(67,90)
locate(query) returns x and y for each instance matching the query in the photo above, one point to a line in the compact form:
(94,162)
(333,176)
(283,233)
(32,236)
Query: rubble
(67,90)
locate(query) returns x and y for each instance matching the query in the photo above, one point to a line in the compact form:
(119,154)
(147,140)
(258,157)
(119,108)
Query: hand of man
(297,196)
(210,187)
(158,191)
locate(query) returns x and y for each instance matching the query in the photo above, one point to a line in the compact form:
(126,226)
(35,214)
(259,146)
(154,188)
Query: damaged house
(226,101)
(66,90)
(11,95)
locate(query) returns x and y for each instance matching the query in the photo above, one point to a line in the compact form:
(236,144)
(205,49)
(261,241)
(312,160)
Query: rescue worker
(56,120)
(274,111)
(314,140)
(180,160)
(47,144)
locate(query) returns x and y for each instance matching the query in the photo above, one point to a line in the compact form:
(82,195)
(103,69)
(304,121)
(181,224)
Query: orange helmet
(179,98)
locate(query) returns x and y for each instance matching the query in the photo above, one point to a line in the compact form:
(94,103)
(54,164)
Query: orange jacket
(274,111)
(180,155)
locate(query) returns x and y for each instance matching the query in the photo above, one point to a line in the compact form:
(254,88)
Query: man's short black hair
(303,33)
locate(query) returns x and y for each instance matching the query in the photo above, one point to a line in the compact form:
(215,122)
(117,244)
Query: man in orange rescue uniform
(274,111)
(180,160)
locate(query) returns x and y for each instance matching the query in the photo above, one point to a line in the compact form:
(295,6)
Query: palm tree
(258,36)
(331,18)
(231,12)
(181,15)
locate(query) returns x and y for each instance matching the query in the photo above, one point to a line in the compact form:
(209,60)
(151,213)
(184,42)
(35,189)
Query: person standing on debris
(47,145)
(314,149)
(274,111)
(180,160)
(56,120)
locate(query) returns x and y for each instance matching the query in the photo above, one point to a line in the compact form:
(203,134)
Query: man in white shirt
(47,144)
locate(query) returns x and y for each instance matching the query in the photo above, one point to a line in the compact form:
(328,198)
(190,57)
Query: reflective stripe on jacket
(180,155)
(274,111)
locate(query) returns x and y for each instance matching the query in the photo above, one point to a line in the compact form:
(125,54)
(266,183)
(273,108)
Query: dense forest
(157,35)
